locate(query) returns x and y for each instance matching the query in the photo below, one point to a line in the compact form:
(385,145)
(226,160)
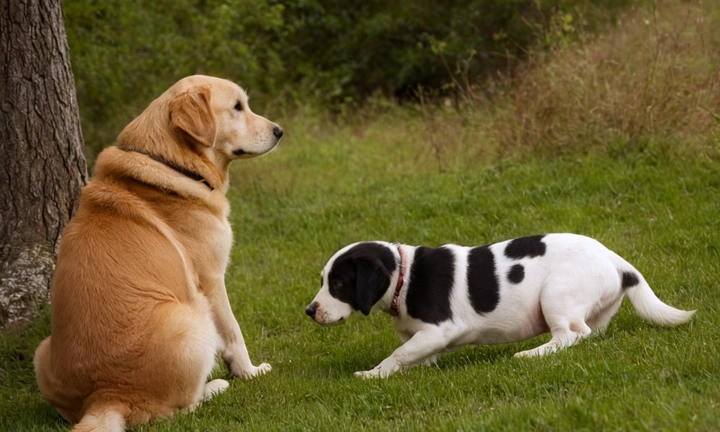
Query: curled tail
(646,303)
(102,419)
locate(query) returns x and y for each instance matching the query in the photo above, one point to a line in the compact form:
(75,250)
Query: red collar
(401,280)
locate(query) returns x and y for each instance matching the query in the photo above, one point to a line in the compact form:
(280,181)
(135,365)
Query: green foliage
(394,47)
(335,53)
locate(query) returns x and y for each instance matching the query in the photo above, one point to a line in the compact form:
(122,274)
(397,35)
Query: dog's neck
(391,301)
(400,282)
(184,171)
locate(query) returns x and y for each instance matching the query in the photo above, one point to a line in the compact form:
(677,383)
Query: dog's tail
(102,418)
(644,300)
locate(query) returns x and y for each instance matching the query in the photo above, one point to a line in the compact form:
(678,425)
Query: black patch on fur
(526,247)
(516,274)
(430,283)
(361,275)
(629,280)
(483,287)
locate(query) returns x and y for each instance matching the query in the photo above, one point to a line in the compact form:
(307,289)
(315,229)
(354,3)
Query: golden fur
(139,306)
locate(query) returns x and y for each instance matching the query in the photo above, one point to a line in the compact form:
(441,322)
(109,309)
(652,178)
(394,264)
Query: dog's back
(121,289)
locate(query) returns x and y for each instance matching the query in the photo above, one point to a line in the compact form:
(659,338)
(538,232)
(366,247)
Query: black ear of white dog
(372,264)
(373,280)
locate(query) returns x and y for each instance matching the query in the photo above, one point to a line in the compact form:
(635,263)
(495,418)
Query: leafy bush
(350,51)
(124,53)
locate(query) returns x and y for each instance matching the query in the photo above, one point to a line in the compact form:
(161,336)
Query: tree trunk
(42,164)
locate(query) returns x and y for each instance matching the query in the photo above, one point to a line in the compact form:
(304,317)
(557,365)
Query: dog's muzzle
(278,132)
(311,310)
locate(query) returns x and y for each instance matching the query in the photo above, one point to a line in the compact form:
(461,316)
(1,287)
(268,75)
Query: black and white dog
(443,298)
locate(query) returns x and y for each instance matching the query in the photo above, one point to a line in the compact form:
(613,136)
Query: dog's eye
(238,106)
(336,284)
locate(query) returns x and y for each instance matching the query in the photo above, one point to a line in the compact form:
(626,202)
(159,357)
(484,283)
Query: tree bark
(42,164)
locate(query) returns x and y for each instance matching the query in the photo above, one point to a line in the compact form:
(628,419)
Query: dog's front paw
(383,370)
(257,370)
(252,371)
(373,373)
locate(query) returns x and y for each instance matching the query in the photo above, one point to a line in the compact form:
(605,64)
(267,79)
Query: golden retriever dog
(139,306)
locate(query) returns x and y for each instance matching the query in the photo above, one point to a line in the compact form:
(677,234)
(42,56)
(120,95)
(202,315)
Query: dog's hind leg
(211,389)
(562,337)
(570,300)
(602,318)
(214,387)
(566,320)
(67,400)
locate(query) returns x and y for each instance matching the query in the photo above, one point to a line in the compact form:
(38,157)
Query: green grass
(327,186)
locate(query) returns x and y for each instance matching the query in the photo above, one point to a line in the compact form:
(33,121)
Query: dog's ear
(372,280)
(191,113)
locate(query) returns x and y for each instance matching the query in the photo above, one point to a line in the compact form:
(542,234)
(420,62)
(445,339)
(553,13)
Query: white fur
(570,291)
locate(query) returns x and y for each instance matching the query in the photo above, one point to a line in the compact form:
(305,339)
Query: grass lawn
(326,187)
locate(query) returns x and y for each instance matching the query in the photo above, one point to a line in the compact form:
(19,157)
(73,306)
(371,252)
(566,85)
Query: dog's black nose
(310,310)
(278,132)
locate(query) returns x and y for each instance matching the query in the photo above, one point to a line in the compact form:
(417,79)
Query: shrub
(335,53)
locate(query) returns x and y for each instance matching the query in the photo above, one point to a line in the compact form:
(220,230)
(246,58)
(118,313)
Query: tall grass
(652,78)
